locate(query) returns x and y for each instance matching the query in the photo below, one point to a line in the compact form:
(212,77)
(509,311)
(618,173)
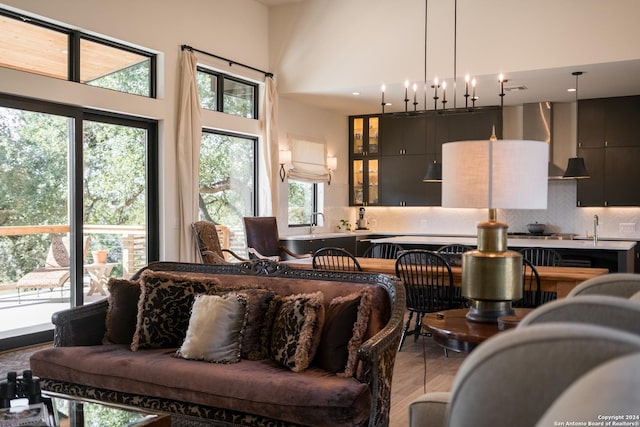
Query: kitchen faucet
(595,229)
(313,223)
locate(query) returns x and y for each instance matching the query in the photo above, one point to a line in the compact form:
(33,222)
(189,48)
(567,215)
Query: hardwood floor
(408,377)
(420,366)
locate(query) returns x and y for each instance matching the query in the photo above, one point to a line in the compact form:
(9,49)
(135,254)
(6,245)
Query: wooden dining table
(552,279)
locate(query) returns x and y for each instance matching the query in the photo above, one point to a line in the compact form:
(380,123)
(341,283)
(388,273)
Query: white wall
(333,128)
(236,29)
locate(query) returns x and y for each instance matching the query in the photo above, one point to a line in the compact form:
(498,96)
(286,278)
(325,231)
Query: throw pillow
(120,324)
(165,306)
(58,255)
(343,332)
(258,299)
(295,329)
(216,326)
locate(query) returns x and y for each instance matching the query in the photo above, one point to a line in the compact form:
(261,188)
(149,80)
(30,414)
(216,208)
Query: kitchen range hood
(537,126)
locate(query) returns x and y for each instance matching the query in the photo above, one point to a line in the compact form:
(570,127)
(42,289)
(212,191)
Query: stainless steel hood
(537,125)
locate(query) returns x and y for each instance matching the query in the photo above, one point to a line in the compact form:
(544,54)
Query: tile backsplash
(561,216)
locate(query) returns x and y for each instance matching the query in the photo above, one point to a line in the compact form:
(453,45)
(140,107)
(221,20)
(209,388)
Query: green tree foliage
(34,152)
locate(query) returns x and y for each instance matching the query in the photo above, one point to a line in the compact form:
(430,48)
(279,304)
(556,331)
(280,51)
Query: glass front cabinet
(364,147)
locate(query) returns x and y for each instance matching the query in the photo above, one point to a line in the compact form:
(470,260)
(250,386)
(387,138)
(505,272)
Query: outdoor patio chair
(56,272)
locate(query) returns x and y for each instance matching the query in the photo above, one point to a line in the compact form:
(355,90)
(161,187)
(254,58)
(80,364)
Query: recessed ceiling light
(355,93)
(571,89)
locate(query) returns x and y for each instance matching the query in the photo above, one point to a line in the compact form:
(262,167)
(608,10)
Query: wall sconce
(332,164)
(285,159)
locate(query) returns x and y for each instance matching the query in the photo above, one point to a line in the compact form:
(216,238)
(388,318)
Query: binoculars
(19,387)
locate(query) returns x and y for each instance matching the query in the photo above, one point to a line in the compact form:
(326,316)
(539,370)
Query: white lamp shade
(285,157)
(332,163)
(501,174)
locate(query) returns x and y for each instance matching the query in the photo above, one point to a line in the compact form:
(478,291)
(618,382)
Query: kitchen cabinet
(364,147)
(403,135)
(607,140)
(310,245)
(390,153)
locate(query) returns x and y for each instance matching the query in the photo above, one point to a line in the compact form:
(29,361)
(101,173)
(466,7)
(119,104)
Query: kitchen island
(615,255)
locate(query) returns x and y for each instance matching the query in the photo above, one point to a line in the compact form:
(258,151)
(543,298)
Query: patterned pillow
(58,255)
(216,326)
(120,324)
(258,300)
(295,325)
(343,331)
(164,308)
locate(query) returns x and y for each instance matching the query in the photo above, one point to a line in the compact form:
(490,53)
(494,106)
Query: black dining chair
(453,253)
(429,287)
(336,259)
(546,257)
(384,250)
(531,293)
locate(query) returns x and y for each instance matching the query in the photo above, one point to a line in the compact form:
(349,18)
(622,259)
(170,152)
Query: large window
(40,47)
(228,182)
(64,203)
(239,97)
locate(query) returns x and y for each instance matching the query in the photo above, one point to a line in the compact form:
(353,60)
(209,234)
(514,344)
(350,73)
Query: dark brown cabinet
(405,145)
(608,141)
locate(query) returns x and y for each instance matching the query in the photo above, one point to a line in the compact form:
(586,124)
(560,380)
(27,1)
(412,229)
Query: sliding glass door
(78,206)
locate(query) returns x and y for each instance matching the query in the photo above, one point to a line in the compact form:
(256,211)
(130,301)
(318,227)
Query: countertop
(513,243)
(429,239)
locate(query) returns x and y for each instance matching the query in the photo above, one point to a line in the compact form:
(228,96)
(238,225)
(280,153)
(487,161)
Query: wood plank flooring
(420,366)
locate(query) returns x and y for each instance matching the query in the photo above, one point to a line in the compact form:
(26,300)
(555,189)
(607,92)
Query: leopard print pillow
(296,323)
(164,308)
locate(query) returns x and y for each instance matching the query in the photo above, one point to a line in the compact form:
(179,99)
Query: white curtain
(188,142)
(269,158)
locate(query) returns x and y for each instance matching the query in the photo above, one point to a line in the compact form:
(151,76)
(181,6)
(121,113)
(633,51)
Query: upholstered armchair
(263,239)
(516,376)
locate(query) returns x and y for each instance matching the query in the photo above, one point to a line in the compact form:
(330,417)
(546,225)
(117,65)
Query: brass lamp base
(491,275)
(489,311)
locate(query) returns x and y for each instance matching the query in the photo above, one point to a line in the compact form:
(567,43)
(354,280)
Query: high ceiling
(324,51)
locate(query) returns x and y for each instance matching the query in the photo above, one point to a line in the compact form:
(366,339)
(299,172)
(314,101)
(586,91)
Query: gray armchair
(616,284)
(516,376)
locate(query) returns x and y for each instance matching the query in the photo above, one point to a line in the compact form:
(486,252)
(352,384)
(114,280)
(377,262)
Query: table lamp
(493,174)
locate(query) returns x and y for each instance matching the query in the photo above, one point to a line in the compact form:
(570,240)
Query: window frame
(220,79)
(73,44)
(79,114)
(315,204)
(256,167)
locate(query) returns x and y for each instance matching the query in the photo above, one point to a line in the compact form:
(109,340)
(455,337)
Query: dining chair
(542,256)
(545,257)
(331,258)
(428,284)
(531,293)
(453,253)
(208,239)
(263,239)
(386,250)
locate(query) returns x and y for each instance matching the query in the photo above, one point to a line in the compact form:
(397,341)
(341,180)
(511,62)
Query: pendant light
(434,170)
(576,168)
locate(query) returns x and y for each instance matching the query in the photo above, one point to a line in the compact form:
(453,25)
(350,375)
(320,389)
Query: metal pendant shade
(434,172)
(576,169)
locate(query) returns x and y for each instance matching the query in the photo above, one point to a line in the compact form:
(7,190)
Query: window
(61,170)
(43,48)
(228,165)
(302,202)
(239,97)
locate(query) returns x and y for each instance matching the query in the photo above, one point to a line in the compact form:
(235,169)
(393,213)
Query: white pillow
(216,327)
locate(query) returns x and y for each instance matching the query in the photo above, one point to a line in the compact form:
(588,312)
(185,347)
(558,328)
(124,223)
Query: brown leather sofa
(250,392)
